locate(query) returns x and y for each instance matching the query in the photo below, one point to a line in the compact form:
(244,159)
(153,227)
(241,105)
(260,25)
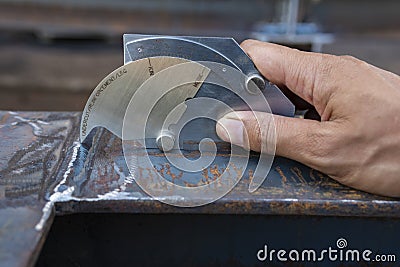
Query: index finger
(299,71)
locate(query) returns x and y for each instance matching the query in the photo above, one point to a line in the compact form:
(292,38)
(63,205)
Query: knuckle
(248,45)
(327,64)
(255,136)
(352,61)
(348,58)
(311,72)
(261,132)
(321,144)
(261,128)
(325,69)
(246,42)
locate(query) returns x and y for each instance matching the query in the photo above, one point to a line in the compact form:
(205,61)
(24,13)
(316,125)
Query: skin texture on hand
(357,141)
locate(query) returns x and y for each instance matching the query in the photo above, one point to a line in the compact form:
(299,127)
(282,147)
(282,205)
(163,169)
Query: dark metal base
(207,240)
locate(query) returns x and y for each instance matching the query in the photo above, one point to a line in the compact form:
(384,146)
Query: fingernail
(230,130)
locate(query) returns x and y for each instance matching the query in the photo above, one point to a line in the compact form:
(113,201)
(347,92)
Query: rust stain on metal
(251,177)
(238,171)
(173,176)
(188,184)
(281,174)
(321,176)
(296,171)
(312,175)
(106,179)
(215,172)
(4,118)
(205,175)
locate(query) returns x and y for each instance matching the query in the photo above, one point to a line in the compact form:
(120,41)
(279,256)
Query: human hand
(357,141)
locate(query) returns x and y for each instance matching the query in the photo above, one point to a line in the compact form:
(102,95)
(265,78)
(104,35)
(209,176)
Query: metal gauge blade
(160,94)
(212,49)
(107,104)
(166,80)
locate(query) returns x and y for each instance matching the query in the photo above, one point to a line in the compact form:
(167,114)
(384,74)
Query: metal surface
(38,151)
(32,147)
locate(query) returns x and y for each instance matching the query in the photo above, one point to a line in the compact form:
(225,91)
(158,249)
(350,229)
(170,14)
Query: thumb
(298,139)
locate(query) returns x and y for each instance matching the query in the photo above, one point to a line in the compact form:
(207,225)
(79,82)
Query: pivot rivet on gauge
(165,141)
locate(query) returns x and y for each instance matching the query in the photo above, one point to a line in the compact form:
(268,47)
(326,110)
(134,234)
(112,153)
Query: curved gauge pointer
(107,104)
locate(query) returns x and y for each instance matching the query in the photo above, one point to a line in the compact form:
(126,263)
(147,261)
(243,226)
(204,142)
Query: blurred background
(53,53)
